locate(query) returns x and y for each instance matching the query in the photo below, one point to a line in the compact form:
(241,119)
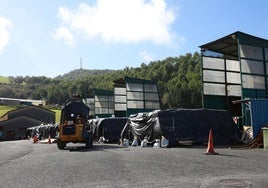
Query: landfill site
(233,116)
(234,106)
(234,99)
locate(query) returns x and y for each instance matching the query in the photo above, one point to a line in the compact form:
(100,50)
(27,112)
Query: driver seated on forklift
(78,120)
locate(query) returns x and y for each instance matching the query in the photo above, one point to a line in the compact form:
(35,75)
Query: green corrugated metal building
(234,68)
(133,95)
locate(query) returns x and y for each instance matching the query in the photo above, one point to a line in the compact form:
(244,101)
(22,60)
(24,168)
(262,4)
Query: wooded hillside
(178,78)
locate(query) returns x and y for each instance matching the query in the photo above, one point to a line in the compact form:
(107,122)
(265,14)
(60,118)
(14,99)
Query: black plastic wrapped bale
(183,125)
(109,128)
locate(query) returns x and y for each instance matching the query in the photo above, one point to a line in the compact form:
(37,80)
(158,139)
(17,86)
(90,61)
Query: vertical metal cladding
(259,115)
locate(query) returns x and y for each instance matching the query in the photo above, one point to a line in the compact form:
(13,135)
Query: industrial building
(13,101)
(133,95)
(129,96)
(235,78)
(13,124)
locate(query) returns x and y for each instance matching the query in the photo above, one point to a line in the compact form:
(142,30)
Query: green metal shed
(234,67)
(103,103)
(134,95)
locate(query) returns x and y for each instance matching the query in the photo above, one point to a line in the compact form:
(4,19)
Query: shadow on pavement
(96,147)
(227,155)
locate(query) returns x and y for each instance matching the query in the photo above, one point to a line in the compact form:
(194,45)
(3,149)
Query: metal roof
(127,79)
(228,45)
(103,92)
(22,122)
(35,112)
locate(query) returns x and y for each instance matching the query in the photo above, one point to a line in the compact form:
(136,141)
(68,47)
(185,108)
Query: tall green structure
(234,68)
(130,96)
(101,103)
(133,95)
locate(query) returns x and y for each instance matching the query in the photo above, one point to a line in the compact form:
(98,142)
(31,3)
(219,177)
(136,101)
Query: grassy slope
(4,80)
(57,114)
(4,109)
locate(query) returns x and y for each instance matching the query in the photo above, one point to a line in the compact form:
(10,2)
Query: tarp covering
(109,128)
(43,131)
(182,125)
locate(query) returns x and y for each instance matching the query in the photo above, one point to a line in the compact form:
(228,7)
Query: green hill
(4,80)
(178,79)
(80,73)
(5,108)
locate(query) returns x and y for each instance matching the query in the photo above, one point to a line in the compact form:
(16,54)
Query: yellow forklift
(74,126)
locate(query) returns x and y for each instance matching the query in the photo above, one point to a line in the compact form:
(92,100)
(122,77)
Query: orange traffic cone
(35,139)
(49,140)
(210,149)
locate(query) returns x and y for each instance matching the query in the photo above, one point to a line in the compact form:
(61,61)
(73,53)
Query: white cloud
(121,20)
(64,34)
(146,56)
(4,33)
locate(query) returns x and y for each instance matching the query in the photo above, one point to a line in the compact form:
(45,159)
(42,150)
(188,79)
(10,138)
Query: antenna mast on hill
(81,67)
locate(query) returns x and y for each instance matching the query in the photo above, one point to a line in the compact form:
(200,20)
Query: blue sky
(48,38)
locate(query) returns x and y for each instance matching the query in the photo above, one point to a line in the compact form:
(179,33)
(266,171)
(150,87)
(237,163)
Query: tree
(6,91)
(178,79)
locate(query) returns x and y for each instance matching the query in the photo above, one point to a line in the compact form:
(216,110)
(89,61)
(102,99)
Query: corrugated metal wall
(259,114)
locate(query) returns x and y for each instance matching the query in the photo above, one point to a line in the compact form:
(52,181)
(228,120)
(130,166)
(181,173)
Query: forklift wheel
(60,144)
(89,143)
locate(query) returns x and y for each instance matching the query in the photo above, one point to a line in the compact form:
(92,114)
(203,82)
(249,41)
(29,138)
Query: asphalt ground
(24,164)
